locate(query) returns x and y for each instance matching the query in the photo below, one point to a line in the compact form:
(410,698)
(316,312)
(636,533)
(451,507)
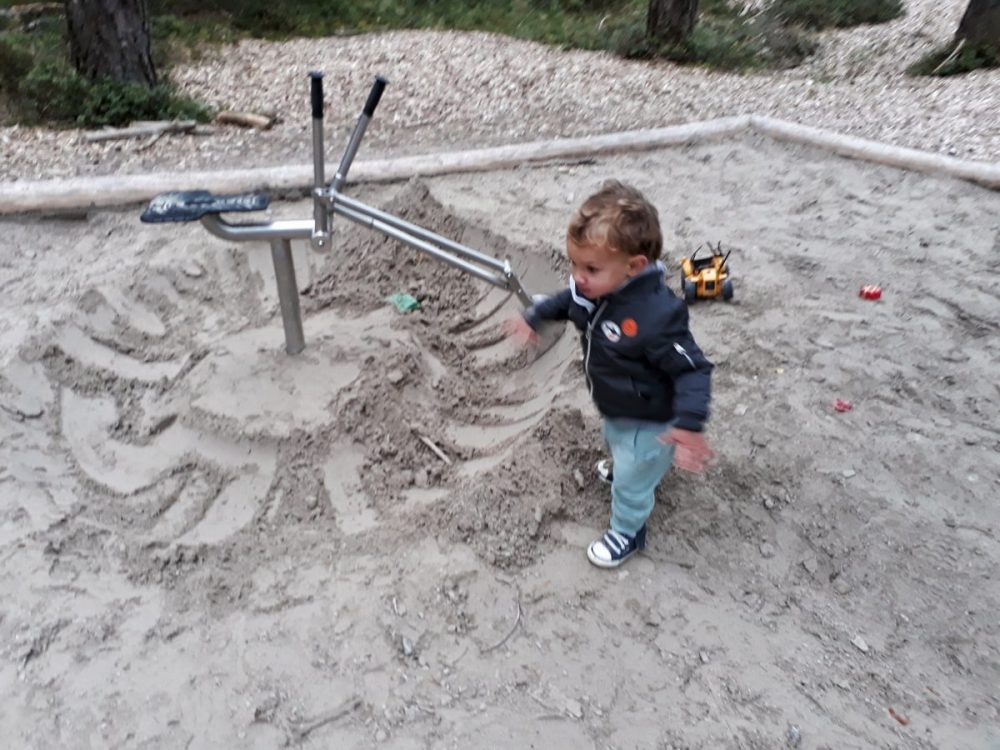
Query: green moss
(825,14)
(950,60)
(51,92)
(722,39)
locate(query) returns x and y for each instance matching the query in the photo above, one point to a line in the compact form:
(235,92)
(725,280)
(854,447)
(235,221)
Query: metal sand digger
(327,200)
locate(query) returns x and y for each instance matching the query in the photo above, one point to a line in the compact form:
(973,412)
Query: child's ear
(637,264)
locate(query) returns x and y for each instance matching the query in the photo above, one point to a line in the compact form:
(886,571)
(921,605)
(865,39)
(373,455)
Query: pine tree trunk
(980,26)
(671,21)
(109,40)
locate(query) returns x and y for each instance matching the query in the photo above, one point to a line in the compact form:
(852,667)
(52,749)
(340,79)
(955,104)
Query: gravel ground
(464,90)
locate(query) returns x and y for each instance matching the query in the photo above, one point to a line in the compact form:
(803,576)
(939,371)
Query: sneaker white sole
(602,563)
(603,468)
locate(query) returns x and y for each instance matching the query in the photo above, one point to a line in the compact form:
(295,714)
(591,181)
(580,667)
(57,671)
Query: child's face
(598,270)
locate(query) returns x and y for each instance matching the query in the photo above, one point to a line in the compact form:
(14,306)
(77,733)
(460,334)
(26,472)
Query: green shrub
(50,92)
(727,45)
(950,61)
(176,38)
(722,40)
(825,14)
(114,103)
(54,93)
(15,63)
(629,40)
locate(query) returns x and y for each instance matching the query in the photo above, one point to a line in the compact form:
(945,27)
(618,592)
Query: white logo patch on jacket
(611,331)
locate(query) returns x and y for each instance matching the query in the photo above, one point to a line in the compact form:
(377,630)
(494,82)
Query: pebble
(193,269)
(860,644)
(848,473)
(767,550)
(841,586)
(311,502)
(769,503)
(578,477)
(381,735)
(703,656)
(740,410)
(794,736)
(810,565)
(395,376)
(574,709)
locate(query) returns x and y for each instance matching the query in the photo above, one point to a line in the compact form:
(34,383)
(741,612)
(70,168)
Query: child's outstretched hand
(518,329)
(691,451)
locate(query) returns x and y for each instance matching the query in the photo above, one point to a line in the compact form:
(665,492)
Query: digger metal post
(280,234)
(320,238)
(359,132)
(433,244)
(288,295)
(202,205)
(414,230)
(514,284)
(453,253)
(420,244)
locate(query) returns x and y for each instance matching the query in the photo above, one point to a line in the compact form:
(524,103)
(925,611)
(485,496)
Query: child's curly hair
(619,217)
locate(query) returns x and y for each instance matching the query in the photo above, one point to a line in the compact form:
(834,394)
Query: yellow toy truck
(706,277)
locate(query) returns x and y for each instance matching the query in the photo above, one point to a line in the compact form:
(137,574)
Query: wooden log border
(54,195)
(979,172)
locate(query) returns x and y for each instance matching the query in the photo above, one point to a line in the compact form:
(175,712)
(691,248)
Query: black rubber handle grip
(374,95)
(317,94)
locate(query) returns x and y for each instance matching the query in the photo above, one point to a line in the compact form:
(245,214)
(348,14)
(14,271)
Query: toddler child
(647,376)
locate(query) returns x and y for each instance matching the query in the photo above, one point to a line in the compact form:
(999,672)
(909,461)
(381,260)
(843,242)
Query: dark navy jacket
(639,357)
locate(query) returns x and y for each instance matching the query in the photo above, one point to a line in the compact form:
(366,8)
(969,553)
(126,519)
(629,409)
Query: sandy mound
(198,447)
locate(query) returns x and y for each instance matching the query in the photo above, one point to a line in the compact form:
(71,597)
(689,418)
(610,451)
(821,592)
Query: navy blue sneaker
(614,548)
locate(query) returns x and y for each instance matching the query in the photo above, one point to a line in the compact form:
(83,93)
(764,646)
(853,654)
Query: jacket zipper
(681,350)
(590,336)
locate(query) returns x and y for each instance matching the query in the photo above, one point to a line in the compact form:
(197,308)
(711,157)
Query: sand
(207,543)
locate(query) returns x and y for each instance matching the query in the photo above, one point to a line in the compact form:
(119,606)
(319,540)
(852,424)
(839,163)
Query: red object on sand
(840,405)
(871,291)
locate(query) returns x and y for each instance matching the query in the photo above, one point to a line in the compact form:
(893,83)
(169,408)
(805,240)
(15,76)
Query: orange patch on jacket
(630,327)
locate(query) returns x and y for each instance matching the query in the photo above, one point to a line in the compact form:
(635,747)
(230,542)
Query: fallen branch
(951,523)
(517,621)
(437,451)
(950,58)
(300,732)
(244,119)
(151,142)
(456,660)
(140,131)
(20,414)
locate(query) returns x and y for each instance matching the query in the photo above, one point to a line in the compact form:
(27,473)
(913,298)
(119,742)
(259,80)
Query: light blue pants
(640,461)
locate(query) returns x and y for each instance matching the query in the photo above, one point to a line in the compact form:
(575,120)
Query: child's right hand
(691,451)
(518,329)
